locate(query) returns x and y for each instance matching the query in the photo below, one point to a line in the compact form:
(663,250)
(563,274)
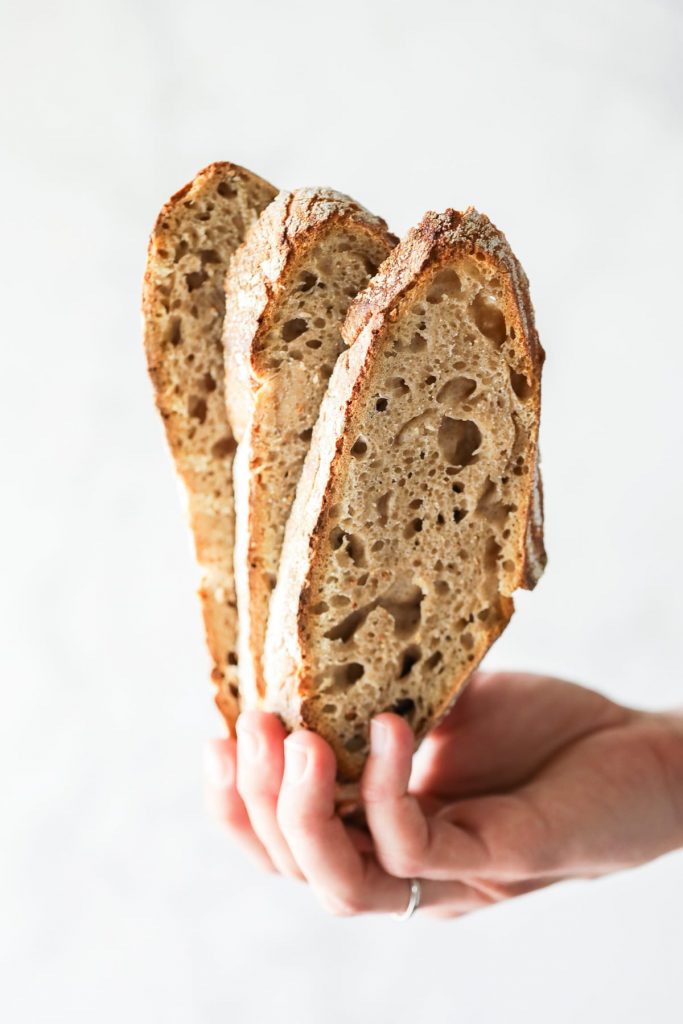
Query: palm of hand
(555,779)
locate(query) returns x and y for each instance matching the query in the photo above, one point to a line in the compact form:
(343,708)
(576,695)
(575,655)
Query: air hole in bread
(196,279)
(413,527)
(196,408)
(416,503)
(346,675)
(383,508)
(398,386)
(306,434)
(489,319)
(459,514)
(318,321)
(209,256)
(433,660)
(320,608)
(520,385)
(208,383)
(458,441)
(307,281)
(491,553)
(491,507)
(224,447)
(431,379)
(336,537)
(410,657)
(314,343)
(455,391)
(444,284)
(404,707)
(467,641)
(417,342)
(181,249)
(174,334)
(381,404)
(403,601)
(356,550)
(226,190)
(292,329)
(345,629)
(340,600)
(360,447)
(415,427)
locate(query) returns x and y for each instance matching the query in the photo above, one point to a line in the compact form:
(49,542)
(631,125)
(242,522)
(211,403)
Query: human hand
(527,781)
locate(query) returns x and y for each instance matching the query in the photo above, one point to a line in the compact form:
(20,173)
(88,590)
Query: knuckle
(294,819)
(343,904)
(526,851)
(401,864)
(232,815)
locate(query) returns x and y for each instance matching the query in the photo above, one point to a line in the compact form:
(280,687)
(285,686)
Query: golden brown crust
(191,244)
(439,238)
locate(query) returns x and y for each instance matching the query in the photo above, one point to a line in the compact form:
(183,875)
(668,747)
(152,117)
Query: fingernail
(248,743)
(296,762)
(218,767)
(379,737)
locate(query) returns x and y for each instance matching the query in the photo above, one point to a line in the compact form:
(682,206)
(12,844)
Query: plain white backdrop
(119,900)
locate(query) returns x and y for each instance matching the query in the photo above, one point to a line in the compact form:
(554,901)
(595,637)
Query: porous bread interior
(425,540)
(294,362)
(193,242)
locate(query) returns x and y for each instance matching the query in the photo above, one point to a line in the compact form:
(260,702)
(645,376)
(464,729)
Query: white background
(119,900)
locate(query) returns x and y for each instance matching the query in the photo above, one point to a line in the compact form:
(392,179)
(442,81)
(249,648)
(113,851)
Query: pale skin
(528,781)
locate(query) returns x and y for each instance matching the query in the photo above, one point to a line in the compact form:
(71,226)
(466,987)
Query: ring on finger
(413,901)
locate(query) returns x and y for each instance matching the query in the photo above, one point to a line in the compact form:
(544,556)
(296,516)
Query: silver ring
(413,901)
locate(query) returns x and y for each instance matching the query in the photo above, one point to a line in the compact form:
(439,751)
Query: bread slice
(287,293)
(419,509)
(194,237)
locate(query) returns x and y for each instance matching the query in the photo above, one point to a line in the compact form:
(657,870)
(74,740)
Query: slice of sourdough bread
(191,244)
(419,509)
(287,292)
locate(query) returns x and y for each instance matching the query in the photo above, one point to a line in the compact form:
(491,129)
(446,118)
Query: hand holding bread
(527,781)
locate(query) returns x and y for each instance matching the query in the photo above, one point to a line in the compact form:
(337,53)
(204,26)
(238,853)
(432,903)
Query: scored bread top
(418,510)
(287,292)
(192,242)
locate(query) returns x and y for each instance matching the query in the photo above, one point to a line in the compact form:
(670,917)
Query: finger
(344,881)
(223,801)
(260,763)
(407,843)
